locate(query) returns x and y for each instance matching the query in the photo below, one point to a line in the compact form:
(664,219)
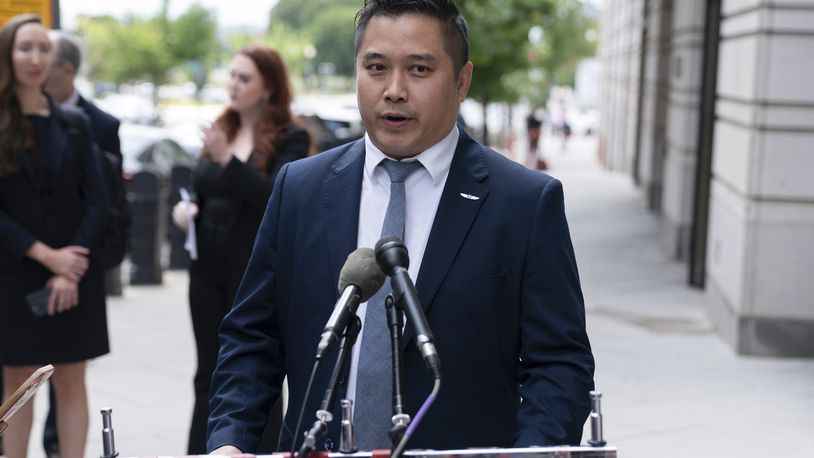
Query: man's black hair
(453,24)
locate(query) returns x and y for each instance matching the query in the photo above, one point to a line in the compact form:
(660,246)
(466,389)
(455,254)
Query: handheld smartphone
(38,301)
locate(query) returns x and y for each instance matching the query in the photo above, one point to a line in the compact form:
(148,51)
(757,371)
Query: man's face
(407,89)
(60,80)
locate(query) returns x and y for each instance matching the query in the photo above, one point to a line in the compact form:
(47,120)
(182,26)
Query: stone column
(686,67)
(620,53)
(654,84)
(760,255)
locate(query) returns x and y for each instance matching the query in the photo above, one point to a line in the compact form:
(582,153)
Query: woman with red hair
(243,151)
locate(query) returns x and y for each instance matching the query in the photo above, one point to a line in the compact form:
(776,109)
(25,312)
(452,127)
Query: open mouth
(395,118)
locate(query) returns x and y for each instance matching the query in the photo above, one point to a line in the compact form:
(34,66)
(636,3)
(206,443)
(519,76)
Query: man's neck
(70,96)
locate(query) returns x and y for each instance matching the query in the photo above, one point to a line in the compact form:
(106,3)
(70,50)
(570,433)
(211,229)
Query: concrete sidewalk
(671,387)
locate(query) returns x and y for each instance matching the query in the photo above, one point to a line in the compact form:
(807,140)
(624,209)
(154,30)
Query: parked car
(332,119)
(131,108)
(148,147)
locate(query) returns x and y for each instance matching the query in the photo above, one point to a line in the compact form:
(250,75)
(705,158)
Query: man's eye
(421,69)
(376,67)
(243,79)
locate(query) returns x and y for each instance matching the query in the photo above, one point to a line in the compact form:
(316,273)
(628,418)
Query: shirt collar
(436,159)
(71,101)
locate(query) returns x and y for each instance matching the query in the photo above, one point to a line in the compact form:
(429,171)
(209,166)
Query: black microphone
(392,257)
(359,279)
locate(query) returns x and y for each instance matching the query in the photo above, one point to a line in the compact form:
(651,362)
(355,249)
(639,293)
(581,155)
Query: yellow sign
(11,8)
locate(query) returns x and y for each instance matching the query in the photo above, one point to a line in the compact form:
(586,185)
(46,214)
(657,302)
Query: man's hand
(229,450)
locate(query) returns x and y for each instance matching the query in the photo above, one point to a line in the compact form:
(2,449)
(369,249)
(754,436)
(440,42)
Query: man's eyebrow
(372,55)
(427,57)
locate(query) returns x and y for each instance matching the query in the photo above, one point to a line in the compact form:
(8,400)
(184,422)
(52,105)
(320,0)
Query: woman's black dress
(55,197)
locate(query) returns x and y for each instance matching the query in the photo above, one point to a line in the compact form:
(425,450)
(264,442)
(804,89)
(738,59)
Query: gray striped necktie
(374,374)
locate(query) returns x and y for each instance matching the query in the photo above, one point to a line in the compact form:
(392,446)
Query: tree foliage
(150,48)
(508,66)
(499,45)
(568,36)
(327,23)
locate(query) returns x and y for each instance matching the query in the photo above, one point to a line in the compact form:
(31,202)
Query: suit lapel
(340,200)
(463,195)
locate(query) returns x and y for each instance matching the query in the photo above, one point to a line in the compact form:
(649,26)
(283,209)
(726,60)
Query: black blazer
(498,283)
(72,213)
(250,194)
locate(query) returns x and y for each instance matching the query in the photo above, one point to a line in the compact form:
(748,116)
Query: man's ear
(71,69)
(464,80)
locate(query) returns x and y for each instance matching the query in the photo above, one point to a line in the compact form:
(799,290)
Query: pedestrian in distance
(52,213)
(565,131)
(490,254)
(243,152)
(534,128)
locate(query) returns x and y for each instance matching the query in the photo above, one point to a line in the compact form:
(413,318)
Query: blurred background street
(681,130)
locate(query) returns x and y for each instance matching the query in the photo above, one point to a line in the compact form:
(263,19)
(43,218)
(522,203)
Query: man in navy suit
(105,131)
(490,253)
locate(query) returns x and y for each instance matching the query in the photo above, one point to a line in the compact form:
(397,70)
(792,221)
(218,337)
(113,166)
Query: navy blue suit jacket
(498,283)
(104,126)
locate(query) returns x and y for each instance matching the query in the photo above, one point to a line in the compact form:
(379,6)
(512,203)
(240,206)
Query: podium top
(532,452)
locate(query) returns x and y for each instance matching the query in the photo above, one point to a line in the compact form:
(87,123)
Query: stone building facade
(709,106)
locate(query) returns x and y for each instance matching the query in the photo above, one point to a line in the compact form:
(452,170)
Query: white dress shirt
(422,190)
(71,101)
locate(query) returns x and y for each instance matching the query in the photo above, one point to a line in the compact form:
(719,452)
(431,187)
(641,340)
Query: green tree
(291,44)
(150,48)
(568,36)
(332,31)
(192,41)
(125,51)
(499,46)
(326,24)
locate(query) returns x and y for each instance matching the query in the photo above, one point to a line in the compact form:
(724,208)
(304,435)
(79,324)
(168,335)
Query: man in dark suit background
(105,131)
(61,86)
(490,252)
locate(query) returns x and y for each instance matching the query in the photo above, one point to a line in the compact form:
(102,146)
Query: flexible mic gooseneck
(392,257)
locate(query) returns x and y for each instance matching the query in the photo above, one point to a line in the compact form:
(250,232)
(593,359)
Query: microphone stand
(395,321)
(324,415)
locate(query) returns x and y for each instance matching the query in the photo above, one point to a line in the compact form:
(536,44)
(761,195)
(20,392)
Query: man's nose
(396,90)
